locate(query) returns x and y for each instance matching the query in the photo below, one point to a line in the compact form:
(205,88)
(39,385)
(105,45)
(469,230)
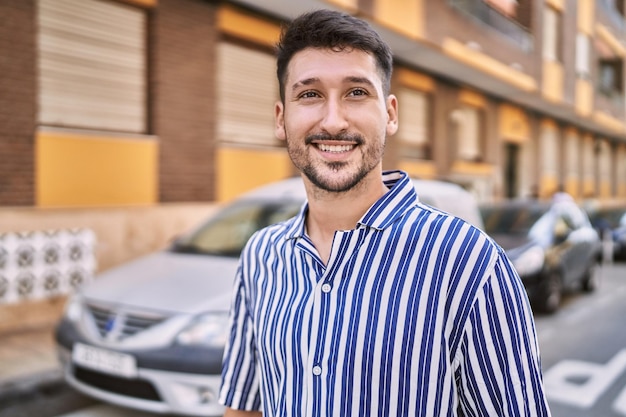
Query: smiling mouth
(335,148)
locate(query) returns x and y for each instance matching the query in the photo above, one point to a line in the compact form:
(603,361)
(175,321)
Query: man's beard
(312,172)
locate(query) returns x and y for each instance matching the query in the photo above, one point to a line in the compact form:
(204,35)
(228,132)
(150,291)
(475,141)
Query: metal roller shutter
(92,65)
(247,91)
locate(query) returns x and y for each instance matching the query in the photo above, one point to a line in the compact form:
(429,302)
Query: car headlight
(530,262)
(208,329)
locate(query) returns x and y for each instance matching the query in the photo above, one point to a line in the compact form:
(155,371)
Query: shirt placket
(322,321)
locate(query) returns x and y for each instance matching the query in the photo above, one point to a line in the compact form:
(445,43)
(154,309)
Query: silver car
(150,334)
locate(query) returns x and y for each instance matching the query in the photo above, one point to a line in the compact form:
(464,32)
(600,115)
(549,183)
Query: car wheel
(549,294)
(591,279)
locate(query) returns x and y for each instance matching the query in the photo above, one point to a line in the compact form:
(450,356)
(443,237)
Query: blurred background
(123,123)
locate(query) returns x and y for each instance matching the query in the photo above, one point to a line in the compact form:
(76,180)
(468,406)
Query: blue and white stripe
(417,313)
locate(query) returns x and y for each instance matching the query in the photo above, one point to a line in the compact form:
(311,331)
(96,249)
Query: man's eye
(358,92)
(309,94)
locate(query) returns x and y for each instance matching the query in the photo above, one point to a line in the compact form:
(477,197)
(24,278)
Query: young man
(369,302)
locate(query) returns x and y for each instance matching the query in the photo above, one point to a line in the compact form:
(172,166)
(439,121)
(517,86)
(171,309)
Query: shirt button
(317,370)
(326,287)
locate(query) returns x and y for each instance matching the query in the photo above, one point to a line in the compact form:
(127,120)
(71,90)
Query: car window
(514,220)
(227,234)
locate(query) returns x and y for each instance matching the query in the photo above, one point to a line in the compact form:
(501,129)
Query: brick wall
(17,101)
(183,36)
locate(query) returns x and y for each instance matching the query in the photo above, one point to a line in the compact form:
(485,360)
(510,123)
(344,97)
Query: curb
(34,384)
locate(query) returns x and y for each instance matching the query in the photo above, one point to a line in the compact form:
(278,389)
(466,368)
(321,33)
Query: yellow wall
(605,189)
(572,187)
(611,40)
(241,169)
(557,4)
(589,188)
(243,25)
(471,168)
(404,16)
(552,81)
(142,3)
(609,121)
(348,5)
(549,184)
(472,98)
(413,79)
(418,169)
(513,124)
(586,10)
(80,170)
(584,97)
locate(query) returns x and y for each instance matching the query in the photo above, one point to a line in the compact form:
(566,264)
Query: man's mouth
(335,148)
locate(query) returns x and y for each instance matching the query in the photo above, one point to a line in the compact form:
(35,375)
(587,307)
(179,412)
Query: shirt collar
(382,213)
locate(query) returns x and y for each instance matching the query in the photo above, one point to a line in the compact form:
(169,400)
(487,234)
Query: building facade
(146,102)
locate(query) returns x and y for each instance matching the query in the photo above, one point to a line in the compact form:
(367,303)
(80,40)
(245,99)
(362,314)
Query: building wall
(180,157)
(183,38)
(476,36)
(17,102)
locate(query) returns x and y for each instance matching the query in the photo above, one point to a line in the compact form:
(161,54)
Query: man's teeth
(335,148)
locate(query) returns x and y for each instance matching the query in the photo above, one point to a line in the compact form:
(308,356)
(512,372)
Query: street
(583,349)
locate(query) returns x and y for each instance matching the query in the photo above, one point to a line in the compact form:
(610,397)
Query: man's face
(335,117)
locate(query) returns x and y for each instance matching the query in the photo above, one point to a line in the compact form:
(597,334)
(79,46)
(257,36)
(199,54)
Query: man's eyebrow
(306,81)
(360,80)
(350,79)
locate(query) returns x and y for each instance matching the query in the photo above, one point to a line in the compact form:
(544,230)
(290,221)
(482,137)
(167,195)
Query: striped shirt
(417,313)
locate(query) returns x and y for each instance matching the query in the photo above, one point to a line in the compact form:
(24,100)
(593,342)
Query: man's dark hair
(329,29)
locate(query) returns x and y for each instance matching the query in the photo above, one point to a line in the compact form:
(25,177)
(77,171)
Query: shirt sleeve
(499,368)
(240,382)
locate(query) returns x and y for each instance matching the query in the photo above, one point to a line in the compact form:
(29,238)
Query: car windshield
(511,220)
(612,218)
(227,233)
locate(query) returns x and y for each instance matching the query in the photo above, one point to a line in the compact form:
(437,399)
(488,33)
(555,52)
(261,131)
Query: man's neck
(329,212)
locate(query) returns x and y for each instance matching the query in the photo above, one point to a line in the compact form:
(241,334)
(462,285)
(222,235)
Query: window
(551,34)
(468,122)
(610,76)
(92,65)
(604,160)
(582,55)
(549,151)
(588,156)
(247,91)
(414,129)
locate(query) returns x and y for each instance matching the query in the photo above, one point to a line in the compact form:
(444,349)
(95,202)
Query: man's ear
(279,120)
(392,115)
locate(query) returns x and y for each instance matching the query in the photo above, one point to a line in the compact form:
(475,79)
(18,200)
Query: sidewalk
(27,350)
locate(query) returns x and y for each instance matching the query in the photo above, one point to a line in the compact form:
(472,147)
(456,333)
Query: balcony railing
(615,16)
(491,17)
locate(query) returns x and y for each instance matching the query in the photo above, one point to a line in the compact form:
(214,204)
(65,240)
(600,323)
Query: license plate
(115,363)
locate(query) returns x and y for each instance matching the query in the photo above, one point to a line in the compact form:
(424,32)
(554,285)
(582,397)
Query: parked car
(610,222)
(150,333)
(553,247)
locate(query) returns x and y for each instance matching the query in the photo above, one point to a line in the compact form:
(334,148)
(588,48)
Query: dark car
(610,222)
(553,247)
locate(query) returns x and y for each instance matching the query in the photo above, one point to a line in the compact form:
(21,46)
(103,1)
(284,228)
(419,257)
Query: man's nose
(334,120)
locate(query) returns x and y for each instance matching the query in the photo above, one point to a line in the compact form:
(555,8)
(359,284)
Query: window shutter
(413,116)
(247,91)
(92,62)
(549,151)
